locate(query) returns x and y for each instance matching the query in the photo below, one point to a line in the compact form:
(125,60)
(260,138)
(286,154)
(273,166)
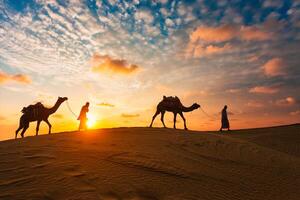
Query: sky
(123,56)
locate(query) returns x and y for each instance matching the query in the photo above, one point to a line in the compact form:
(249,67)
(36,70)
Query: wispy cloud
(199,50)
(129,115)
(264,90)
(58,116)
(255,104)
(288,101)
(19,78)
(105,104)
(297,112)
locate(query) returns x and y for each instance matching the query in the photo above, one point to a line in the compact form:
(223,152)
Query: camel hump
(171,101)
(171,98)
(32,108)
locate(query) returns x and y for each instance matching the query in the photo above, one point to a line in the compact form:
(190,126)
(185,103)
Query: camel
(38,114)
(173,104)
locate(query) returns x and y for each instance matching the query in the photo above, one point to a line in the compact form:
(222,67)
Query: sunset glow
(124,56)
(91,120)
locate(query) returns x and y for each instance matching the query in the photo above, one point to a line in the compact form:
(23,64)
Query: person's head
(87,104)
(225,107)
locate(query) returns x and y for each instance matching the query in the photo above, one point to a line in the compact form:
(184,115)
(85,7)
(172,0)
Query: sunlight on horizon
(91,120)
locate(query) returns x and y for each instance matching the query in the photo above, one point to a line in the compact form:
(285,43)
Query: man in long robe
(224,120)
(82,117)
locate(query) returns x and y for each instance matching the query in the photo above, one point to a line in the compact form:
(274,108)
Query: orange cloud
(274,67)
(255,104)
(214,34)
(211,49)
(20,78)
(200,50)
(250,33)
(264,90)
(297,112)
(129,115)
(233,90)
(104,63)
(253,59)
(202,36)
(105,104)
(288,101)
(227,32)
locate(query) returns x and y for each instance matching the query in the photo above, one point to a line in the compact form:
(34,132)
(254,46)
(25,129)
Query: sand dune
(144,163)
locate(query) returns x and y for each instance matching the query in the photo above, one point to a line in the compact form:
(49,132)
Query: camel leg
(24,129)
(175,115)
(48,125)
(183,120)
(20,127)
(162,118)
(37,127)
(154,116)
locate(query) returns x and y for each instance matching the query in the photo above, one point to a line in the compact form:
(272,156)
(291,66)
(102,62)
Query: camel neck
(54,108)
(187,109)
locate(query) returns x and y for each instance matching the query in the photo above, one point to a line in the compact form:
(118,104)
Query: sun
(91,120)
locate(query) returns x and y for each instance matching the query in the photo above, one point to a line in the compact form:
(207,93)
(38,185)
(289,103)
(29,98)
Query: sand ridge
(153,163)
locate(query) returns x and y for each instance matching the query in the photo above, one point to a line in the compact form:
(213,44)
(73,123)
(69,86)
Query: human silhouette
(82,117)
(173,104)
(224,120)
(39,113)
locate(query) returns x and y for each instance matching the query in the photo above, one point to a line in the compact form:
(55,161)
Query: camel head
(62,99)
(195,106)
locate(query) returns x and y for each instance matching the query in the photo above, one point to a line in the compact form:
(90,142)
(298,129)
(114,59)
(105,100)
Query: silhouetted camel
(41,115)
(173,104)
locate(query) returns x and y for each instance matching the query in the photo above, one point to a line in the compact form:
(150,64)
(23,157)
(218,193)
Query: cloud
(214,34)
(297,112)
(206,40)
(2,118)
(20,78)
(144,15)
(274,67)
(104,63)
(129,115)
(264,90)
(233,90)
(227,32)
(210,50)
(252,59)
(273,3)
(105,104)
(58,116)
(255,104)
(251,33)
(288,101)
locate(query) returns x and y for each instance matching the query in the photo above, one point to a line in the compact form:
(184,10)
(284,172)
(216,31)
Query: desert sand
(153,163)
